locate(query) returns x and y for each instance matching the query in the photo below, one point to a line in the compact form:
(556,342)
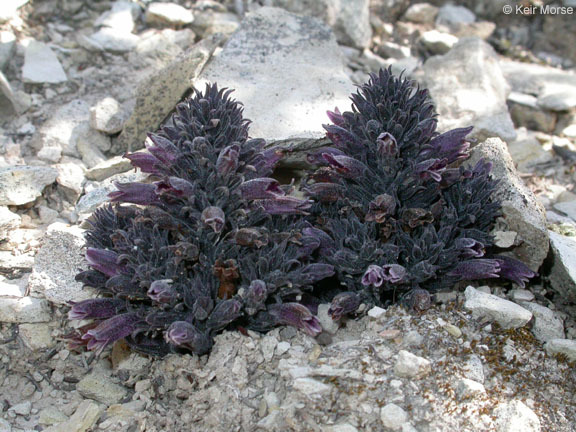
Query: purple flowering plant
(212,241)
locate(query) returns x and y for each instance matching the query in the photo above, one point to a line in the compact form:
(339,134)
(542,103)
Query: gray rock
(469,88)
(83,419)
(522,211)
(568,208)
(157,96)
(7,44)
(527,152)
(555,89)
(473,369)
(37,337)
(566,347)
(108,168)
(521,295)
(8,103)
(349,19)
(24,310)
(530,117)
(421,13)
(488,306)
(47,215)
(376,312)
(208,23)
(437,42)
(11,263)
(99,386)
(450,14)
(71,177)
(50,416)
(13,287)
(54,278)
(563,272)
(121,17)
(168,14)
(301,52)
(23,184)
(22,408)
(311,387)
(504,239)
(468,389)
(89,143)
(480,29)
(514,416)
(393,416)
(8,221)
(326,321)
(107,116)
(63,128)
(108,39)
(41,65)
(393,50)
(547,325)
(409,365)
(50,154)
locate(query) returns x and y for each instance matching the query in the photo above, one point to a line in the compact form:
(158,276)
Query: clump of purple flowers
(211,240)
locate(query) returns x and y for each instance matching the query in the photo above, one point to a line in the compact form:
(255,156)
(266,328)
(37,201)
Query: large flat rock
(287,71)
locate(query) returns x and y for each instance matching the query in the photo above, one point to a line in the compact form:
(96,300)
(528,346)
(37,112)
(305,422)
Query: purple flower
(202,307)
(336,117)
(185,335)
(223,314)
(373,276)
(92,278)
(228,160)
(214,217)
(163,150)
(255,296)
(317,157)
(284,205)
(145,161)
(347,166)
(476,269)
(450,145)
(317,271)
(111,330)
(386,145)
(161,291)
(99,308)
(296,315)
(380,208)
(261,188)
(325,192)
(377,275)
(103,260)
(431,168)
(469,248)
(327,245)
(514,270)
(135,193)
(343,304)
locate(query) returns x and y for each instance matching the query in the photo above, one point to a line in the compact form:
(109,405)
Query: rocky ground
(82,82)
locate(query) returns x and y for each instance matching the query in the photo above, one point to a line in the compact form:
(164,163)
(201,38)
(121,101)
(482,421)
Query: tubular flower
(296,315)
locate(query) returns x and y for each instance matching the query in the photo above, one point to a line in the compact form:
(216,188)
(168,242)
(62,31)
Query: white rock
(89,143)
(521,295)
(24,310)
(562,346)
(450,14)
(61,130)
(107,116)
(438,42)
(83,419)
(393,416)
(469,88)
(37,337)
(422,13)
(343,427)
(23,184)
(208,23)
(7,44)
(170,14)
(4,425)
(547,324)
(71,177)
(41,65)
(8,221)
(13,287)
(376,312)
(301,52)
(310,386)
(473,369)
(505,239)
(98,385)
(282,347)
(563,272)
(527,152)
(108,39)
(268,345)
(121,17)
(516,417)
(47,215)
(507,314)
(108,168)
(409,365)
(9,9)
(23,408)
(326,321)
(55,279)
(50,154)
(522,211)
(393,50)
(468,389)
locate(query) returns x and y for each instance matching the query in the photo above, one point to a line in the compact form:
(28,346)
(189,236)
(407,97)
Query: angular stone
(14,263)
(514,416)
(108,39)
(488,306)
(8,103)
(50,416)
(8,221)
(469,89)
(521,295)
(468,389)
(54,278)
(522,211)
(409,365)
(438,42)
(532,118)
(71,177)
(168,14)
(158,95)
(23,184)
(83,419)
(568,208)
(450,14)
(62,129)
(107,116)
(421,13)
(547,325)
(41,65)
(121,17)
(310,386)
(46,214)
(349,19)
(37,337)
(326,321)
(393,416)
(527,152)
(563,272)
(89,144)
(301,52)
(13,287)
(376,312)
(24,310)
(108,168)
(207,23)
(566,347)
(480,29)
(98,386)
